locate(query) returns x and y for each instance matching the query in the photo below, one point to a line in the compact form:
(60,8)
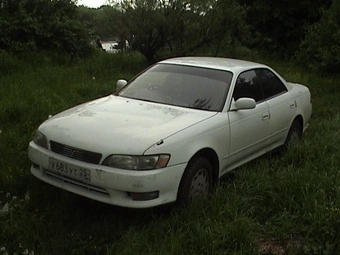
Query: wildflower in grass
(335,209)
(27,196)
(3,251)
(4,209)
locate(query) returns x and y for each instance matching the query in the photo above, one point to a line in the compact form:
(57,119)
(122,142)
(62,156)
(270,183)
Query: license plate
(69,170)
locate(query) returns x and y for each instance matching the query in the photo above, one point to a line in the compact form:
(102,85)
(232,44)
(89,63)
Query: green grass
(289,202)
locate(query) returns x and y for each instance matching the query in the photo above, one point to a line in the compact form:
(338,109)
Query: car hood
(119,125)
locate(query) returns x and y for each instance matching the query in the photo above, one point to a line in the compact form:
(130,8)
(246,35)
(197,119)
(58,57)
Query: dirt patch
(271,246)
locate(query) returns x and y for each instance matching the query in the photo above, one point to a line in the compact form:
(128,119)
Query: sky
(92,3)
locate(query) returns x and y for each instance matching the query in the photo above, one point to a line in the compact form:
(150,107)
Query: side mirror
(120,84)
(245,103)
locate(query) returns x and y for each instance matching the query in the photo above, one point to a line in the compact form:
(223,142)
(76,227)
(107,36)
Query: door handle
(293,105)
(265,116)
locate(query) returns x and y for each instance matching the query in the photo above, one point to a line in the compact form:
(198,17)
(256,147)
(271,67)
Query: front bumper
(109,185)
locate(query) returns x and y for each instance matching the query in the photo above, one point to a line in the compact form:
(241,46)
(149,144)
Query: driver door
(248,128)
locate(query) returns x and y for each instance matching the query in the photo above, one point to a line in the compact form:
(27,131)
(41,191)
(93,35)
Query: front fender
(212,133)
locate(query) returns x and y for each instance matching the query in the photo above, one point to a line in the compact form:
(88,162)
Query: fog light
(144,196)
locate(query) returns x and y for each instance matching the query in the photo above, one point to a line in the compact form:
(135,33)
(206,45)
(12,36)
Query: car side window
(247,85)
(270,83)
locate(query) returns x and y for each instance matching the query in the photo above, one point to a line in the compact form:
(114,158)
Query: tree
(102,22)
(279,25)
(179,26)
(216,24)
(321,47)
(149,25)
(30,25)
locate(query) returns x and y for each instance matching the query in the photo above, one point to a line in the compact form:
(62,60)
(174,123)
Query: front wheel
(196,182)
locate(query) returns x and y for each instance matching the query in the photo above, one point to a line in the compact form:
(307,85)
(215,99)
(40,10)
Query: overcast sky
(92,3)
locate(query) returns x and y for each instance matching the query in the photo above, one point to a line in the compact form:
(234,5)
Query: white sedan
(171,132)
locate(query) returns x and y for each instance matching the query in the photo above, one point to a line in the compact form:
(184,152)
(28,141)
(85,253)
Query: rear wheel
(196,182)
(294,134)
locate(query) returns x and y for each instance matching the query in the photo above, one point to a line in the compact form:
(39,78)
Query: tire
(196,182)
(294,134)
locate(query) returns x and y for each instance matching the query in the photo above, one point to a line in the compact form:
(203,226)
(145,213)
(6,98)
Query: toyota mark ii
(171,132)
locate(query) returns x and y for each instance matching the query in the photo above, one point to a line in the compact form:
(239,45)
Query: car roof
(226,64)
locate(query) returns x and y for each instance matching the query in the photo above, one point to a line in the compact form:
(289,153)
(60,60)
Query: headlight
(40,139)
(137,162)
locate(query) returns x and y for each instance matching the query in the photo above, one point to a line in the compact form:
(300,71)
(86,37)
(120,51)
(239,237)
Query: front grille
(78,154)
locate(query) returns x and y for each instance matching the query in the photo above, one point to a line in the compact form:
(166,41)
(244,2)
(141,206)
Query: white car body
(118,125)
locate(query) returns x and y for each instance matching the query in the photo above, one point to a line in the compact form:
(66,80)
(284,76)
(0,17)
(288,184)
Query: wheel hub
(200,184)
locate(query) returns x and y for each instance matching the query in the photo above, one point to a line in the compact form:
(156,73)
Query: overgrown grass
(286,204)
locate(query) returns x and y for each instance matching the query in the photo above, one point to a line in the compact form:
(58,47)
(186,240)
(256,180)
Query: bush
(8,63)
(321,47)
(36,25)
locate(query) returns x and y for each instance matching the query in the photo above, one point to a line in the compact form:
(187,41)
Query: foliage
(101,22)
(179,26)
(321,47)
(9,63)
(217,25)
(278,26)
(149,25)
(163,28)
(30,25)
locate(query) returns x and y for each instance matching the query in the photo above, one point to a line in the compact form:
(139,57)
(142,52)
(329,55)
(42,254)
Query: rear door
(281,106)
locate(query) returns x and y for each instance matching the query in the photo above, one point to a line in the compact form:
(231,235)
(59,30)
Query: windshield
(185,86)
